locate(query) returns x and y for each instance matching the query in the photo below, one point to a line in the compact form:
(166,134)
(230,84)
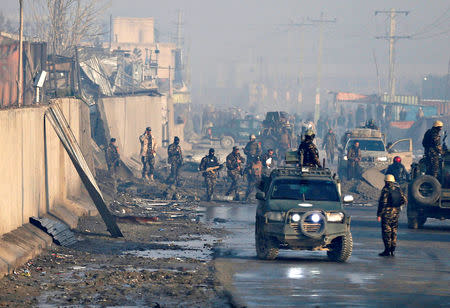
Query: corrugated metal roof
(96,73)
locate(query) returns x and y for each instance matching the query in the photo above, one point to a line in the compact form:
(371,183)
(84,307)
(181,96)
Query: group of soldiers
(256,164)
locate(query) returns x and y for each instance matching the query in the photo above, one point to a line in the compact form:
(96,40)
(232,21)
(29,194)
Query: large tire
(226,142)
(425,190)
(341,248)
(266,249)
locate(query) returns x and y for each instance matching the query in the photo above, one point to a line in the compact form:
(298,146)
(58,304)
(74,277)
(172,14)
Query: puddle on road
(198,248)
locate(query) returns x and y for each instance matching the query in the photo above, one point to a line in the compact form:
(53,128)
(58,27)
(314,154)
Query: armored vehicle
(236,131)
(429,197)
(302,208)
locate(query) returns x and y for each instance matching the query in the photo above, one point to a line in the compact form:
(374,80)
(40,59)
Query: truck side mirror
(348,199)
(260,196)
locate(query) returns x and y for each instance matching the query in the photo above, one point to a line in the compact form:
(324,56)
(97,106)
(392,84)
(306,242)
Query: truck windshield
(308,190)
(368,145)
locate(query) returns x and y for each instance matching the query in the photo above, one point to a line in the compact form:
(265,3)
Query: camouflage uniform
(210,177)
(310,154)
(432,144)
(330,145)
(234,172)
(391,199)
(253,176)
(112,158)
(353,159)
(148,148)
(252,150)
(175,159)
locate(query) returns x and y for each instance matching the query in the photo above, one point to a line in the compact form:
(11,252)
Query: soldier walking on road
(254,174)
(148,150)
(307,151)
(389,205)
(353,159)
(252,150)
(175,159)
(112,157)
(433,148)
(210,166)
(330,145)
(234,166)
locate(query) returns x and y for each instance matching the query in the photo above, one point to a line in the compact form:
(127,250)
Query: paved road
(417,277)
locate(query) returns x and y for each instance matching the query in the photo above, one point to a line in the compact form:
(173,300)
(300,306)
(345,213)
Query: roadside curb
(21,245)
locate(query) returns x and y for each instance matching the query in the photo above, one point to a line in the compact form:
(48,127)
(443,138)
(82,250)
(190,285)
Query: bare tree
(67,23)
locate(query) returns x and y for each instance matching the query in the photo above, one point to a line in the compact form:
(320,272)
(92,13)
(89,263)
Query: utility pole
(179,31)
(20,73)
(322,21)
(392,38)
(300,26)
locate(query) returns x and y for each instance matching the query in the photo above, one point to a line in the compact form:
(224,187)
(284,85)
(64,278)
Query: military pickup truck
(302,208)
(429,197)
(374,152)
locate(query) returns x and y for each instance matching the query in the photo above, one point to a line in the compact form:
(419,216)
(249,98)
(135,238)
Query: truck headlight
(345,157)
(274,216)
(382,158)
(295,218)
(335,217)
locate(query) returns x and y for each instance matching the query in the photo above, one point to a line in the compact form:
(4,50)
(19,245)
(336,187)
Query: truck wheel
(341,248)
(266,249)
(426,190)
(226,142)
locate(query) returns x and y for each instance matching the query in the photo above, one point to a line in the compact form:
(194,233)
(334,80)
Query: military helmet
(252,136)
(235,148)
(438,124)
(397,159)
(148,129)
(176,139)
(211,151)
(389,178)
(112,140)
(310,133)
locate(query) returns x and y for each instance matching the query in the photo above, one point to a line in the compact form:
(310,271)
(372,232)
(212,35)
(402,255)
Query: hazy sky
(226,36)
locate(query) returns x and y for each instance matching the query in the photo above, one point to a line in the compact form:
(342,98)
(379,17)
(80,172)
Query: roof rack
(298,171)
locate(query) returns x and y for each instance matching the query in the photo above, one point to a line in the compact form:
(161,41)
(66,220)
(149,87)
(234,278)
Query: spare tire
(227,142)
(426,190)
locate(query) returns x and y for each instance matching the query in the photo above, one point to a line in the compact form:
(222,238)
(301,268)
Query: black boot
(385,253)
(392,251)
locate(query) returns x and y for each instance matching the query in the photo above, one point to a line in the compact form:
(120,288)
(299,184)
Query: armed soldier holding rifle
(210,166)
(235,170)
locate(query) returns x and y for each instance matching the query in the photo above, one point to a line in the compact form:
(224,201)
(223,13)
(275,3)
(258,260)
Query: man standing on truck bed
(432,145)
(389,204)
(307,151)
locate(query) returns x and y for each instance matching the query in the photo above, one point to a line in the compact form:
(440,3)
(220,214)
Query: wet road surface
(417,277)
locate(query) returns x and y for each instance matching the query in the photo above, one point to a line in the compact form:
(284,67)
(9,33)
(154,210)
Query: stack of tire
(424,194)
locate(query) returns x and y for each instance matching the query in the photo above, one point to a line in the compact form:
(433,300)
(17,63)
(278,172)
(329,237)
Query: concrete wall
(133,30)
(126,118)
(25,138)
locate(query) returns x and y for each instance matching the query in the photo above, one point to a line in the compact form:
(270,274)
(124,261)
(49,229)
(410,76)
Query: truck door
(404,149)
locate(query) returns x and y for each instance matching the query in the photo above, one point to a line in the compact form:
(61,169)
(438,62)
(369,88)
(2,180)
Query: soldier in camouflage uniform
(307,151)
(432,145)
(112,157)
(234,166)
(353,159)
(175,159)
(252,150)
(389,206)
(148,151)
(330,145)
(254,174)
(210,166)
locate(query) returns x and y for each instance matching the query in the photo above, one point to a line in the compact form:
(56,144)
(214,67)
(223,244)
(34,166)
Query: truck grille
(312,227)
(296,227)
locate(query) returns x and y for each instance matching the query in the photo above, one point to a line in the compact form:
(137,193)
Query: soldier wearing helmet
(234,163)
(307,151)
(252,149)
(433,148)
(398,170)
(175,159)
(389,205)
